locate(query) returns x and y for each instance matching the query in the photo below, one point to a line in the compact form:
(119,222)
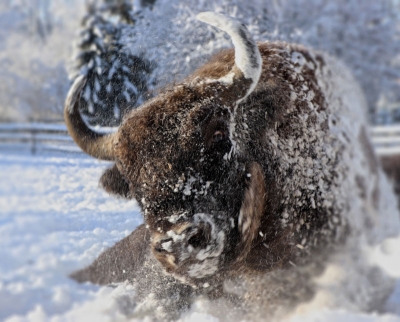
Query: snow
(54,219)
(352,31)
(36,39)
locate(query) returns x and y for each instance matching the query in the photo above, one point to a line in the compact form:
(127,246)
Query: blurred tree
(117,81)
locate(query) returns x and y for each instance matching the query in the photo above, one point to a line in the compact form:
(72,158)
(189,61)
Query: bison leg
(114,183)
(118,263)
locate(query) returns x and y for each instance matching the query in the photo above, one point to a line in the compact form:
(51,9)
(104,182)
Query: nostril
(197,241)
(201,238)
(159,249)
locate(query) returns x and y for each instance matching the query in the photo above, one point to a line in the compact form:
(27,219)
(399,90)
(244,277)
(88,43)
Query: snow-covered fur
(238,180)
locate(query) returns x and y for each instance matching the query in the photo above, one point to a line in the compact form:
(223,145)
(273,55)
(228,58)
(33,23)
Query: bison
(256,162)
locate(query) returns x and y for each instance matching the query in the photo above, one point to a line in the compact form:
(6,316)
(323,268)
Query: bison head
(180,155)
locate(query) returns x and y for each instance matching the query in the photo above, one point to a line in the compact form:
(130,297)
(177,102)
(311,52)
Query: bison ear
(114,183)
(252,209)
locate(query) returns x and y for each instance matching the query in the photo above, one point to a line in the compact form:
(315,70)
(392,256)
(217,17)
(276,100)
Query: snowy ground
(54,219)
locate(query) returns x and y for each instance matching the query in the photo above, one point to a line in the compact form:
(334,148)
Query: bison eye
(218,136)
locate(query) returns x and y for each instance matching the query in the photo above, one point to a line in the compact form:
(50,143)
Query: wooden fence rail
(386,139)
(36,137)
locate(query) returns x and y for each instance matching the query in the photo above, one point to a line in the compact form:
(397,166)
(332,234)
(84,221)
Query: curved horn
(248,62)
(95,144)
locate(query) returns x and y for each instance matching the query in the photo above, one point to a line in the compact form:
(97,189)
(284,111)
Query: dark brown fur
(391,165)
(173,156)
(157,143)
(120,262)
(112,182)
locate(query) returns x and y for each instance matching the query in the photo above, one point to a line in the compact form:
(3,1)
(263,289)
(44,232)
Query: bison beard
(242,169)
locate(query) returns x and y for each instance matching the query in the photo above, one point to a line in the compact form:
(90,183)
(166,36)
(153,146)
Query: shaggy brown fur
(227,186)
(391,165)
(184,132)
(120,262)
